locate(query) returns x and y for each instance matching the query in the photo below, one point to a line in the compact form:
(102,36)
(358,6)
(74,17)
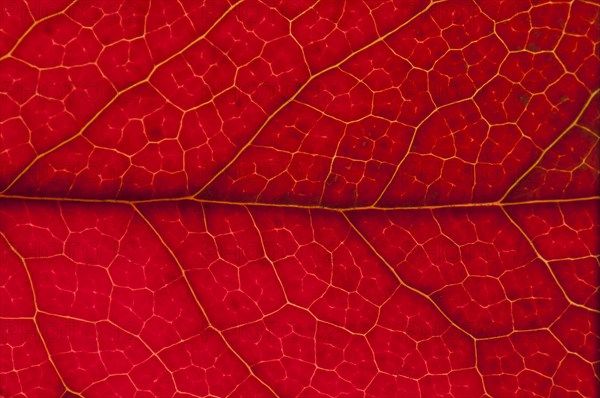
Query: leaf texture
(361,198)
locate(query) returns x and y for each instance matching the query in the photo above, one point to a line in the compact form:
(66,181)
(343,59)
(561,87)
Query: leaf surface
(299,199)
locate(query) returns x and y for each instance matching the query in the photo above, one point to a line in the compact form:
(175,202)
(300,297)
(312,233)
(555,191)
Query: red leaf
(299,199)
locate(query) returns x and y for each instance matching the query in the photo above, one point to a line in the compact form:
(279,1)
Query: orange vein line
(37,310)
(187,282)
(549,147)
(310,79)
(418,292)
(399,279)
(32,26)
(115,97)
(298,206)
(537,253)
